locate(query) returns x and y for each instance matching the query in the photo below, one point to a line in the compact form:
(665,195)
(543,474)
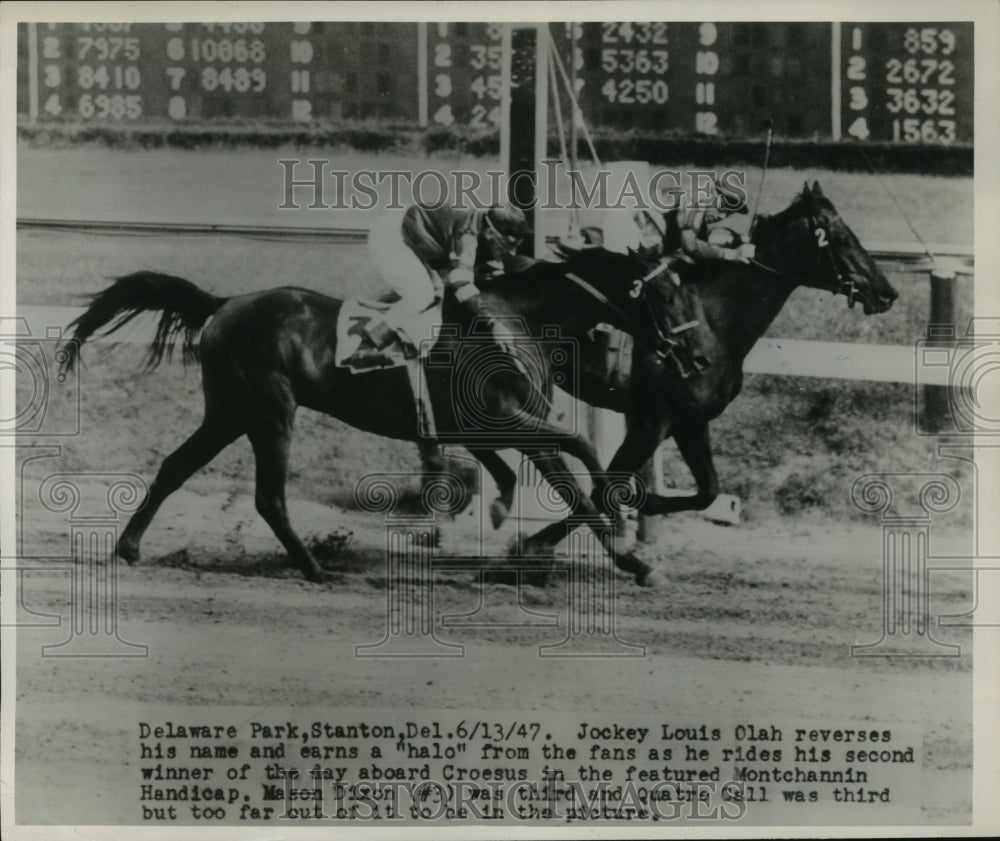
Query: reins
(847,287)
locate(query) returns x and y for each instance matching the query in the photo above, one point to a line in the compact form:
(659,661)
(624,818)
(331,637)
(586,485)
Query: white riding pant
(401,269)
(625,229)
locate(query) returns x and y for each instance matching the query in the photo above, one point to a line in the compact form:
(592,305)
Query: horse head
(618,285)
(811,244)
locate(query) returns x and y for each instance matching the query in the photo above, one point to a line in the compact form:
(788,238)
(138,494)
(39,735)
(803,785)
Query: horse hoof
(316,576)
(648,579)
(128,551)
(498,512)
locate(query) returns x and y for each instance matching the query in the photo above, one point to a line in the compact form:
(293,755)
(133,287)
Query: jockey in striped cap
(422,250)
(685,236)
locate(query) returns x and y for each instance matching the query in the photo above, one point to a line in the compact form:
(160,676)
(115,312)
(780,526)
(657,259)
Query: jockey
(685,237)
(421,250)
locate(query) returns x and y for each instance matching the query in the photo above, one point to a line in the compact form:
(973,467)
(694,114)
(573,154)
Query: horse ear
(806,188)
(816,189)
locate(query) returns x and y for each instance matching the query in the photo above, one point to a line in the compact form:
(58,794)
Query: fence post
(941,332)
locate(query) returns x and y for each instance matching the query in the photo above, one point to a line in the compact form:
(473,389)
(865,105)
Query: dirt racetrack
(753,623)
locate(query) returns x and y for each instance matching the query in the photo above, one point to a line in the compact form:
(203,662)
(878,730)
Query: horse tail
(185,308)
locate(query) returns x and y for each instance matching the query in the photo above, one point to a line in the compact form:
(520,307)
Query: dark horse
(264,354)
(807,244)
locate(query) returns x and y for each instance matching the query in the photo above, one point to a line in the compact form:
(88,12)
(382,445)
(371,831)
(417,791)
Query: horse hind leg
(271,438)
(555,472)
(215,433)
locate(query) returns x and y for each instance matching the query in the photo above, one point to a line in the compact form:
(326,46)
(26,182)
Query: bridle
(659,343)
(663,333)
(661,339)
(847,287)
(843,286)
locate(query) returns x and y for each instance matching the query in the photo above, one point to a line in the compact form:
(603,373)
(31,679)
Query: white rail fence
(777,356)
(787,357)
(790,357)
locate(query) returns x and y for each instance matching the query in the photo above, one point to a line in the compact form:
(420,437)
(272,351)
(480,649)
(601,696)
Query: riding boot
(485,323)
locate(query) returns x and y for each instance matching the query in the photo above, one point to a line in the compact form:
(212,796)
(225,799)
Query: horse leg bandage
(425,412)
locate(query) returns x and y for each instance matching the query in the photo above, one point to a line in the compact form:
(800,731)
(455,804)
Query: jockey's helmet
(508,221)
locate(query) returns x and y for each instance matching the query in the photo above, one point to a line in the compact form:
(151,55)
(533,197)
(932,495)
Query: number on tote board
(629,91)
(116,106)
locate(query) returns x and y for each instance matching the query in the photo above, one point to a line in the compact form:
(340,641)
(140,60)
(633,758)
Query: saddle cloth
(357,317)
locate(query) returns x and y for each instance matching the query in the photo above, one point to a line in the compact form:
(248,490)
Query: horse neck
(551,301)
(740,304)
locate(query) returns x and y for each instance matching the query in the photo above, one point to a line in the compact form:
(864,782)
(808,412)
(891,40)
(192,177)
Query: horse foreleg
(572,444)
(642,437)
(505,478)
(695,446)
(271,438)
(555,472)
(205,443)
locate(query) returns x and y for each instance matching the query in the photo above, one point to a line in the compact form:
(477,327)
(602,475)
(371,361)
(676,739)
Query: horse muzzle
(872,302)
(881,301)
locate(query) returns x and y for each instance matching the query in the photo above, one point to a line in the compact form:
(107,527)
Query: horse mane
(537,270)
(587,258)
(582,261)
